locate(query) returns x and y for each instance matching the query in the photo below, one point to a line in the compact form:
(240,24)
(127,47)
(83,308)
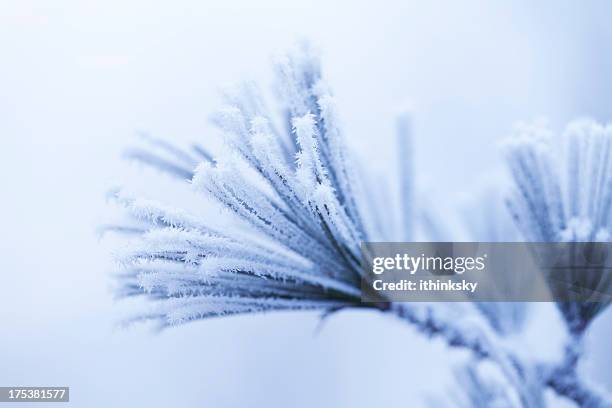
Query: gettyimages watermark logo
(486,272)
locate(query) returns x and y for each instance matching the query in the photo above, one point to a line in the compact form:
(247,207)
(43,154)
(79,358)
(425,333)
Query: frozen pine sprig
(564,194)
(298,215)
(296,245)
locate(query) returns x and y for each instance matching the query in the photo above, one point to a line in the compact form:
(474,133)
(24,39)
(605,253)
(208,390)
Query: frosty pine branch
(302,214)
(567,201)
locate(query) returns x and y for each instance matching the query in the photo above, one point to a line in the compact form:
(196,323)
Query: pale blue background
(78,78)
